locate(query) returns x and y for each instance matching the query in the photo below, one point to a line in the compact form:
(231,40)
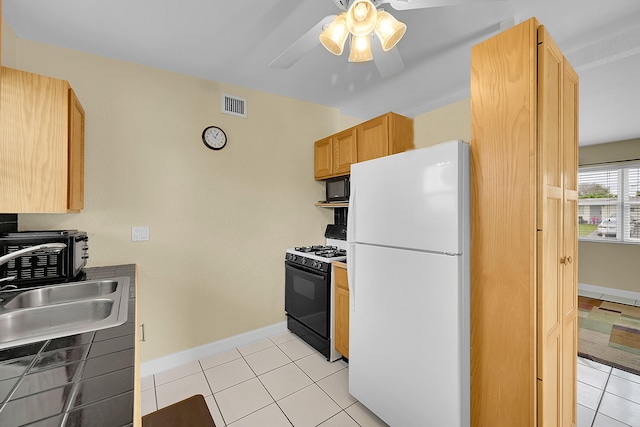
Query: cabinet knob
(566,260)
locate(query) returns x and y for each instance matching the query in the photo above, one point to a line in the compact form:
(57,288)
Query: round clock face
(214,138)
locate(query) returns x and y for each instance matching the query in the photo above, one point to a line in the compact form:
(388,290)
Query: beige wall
(219,221)
(618,151)
(8,45)
(609,264)
(444,124)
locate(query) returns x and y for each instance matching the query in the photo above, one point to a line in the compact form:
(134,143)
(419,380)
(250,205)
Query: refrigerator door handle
(351,275)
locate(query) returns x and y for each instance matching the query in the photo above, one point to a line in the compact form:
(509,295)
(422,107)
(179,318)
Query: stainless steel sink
(62,293)
(60,310)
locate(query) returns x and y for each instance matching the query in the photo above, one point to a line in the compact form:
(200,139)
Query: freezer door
(418,199)
(409,337)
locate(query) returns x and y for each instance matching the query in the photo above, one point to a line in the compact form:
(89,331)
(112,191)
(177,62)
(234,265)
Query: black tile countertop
(78,380)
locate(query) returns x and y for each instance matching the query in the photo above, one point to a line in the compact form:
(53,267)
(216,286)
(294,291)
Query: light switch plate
(139,234)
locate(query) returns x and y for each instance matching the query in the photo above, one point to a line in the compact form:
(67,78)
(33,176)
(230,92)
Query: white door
(408,339)
(412,200)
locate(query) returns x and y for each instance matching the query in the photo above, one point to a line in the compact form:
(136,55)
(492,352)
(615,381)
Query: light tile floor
(282,381)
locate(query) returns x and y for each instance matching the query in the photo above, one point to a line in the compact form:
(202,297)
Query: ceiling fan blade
(421,4)
(388,63)
(303,45)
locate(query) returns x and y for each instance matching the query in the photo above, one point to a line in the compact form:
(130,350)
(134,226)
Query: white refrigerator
(408,236)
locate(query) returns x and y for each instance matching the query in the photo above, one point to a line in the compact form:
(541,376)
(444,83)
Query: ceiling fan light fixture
(361,17)
(360,49)
(335,35)
(389,30)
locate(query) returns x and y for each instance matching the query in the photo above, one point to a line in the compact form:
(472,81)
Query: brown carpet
(609,333)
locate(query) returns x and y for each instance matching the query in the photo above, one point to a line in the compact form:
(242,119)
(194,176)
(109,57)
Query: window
(609,204)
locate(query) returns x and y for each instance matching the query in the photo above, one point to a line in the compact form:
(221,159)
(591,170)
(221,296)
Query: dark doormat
(609,333)
(191,412)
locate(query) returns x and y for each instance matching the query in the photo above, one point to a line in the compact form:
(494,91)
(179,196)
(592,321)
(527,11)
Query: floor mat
(609,333)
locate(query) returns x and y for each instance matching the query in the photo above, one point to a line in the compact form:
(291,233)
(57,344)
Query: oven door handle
(306,271)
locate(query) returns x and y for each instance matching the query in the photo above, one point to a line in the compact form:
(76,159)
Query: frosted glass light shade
(389,30)
(335,35)
(361,17)
(360,49)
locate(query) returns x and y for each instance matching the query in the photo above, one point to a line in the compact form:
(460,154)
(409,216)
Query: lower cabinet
(341,322)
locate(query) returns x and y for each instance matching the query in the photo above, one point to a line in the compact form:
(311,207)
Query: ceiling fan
(367,42)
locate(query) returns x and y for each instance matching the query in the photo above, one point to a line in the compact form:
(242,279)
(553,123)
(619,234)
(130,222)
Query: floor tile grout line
(600,400)
(212,393)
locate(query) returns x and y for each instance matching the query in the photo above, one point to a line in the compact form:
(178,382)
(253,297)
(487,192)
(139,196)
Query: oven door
(306,297)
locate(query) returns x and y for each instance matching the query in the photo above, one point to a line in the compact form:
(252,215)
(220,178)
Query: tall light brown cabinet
(524,161)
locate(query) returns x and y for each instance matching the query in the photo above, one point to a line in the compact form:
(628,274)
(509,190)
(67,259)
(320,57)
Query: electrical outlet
(139,234)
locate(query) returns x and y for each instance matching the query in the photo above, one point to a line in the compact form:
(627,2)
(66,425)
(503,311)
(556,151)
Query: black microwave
(337,189)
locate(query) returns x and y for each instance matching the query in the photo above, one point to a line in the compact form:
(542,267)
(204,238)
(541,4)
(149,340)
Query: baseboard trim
(176,359)
(609,291)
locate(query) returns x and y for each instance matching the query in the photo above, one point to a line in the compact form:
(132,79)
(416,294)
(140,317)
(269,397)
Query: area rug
(609,333)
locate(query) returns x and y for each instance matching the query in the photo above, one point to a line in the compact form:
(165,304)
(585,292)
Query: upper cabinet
(41,145)
(378,137)
(384,135)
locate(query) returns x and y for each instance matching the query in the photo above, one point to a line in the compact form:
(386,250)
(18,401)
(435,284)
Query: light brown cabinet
(41,145)
(323,158)
(524,164)
(334,154)
(384,135)
(388,134)
(341,315)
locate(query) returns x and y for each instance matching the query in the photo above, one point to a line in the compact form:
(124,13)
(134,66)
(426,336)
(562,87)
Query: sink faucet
(45,248)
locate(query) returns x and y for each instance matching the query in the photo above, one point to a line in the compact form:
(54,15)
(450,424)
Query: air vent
(234,105)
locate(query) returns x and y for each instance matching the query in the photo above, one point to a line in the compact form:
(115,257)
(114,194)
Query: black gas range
(309,291)
(318,257)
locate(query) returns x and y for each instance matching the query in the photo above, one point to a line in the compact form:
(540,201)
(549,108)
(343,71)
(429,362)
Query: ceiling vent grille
(234,105)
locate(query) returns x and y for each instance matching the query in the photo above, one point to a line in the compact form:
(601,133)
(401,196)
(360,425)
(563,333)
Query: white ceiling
(234,42)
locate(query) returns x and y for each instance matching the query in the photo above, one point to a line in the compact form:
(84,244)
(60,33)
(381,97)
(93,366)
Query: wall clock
(214,138)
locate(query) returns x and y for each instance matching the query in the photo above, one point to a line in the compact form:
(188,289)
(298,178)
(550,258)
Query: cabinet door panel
(341,311)
(323,158)
(342,322)
(557,218)
(373,139)
(344,147)
(33,142)
(570,240)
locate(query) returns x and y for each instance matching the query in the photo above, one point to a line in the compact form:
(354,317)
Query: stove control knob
(303,261)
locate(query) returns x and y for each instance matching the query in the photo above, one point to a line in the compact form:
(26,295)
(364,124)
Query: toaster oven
(44,267)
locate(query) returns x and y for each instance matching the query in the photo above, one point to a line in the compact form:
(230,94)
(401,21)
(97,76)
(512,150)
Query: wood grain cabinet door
(344,149)
(557,228)
(323,158)
(373,138)
(341,311)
